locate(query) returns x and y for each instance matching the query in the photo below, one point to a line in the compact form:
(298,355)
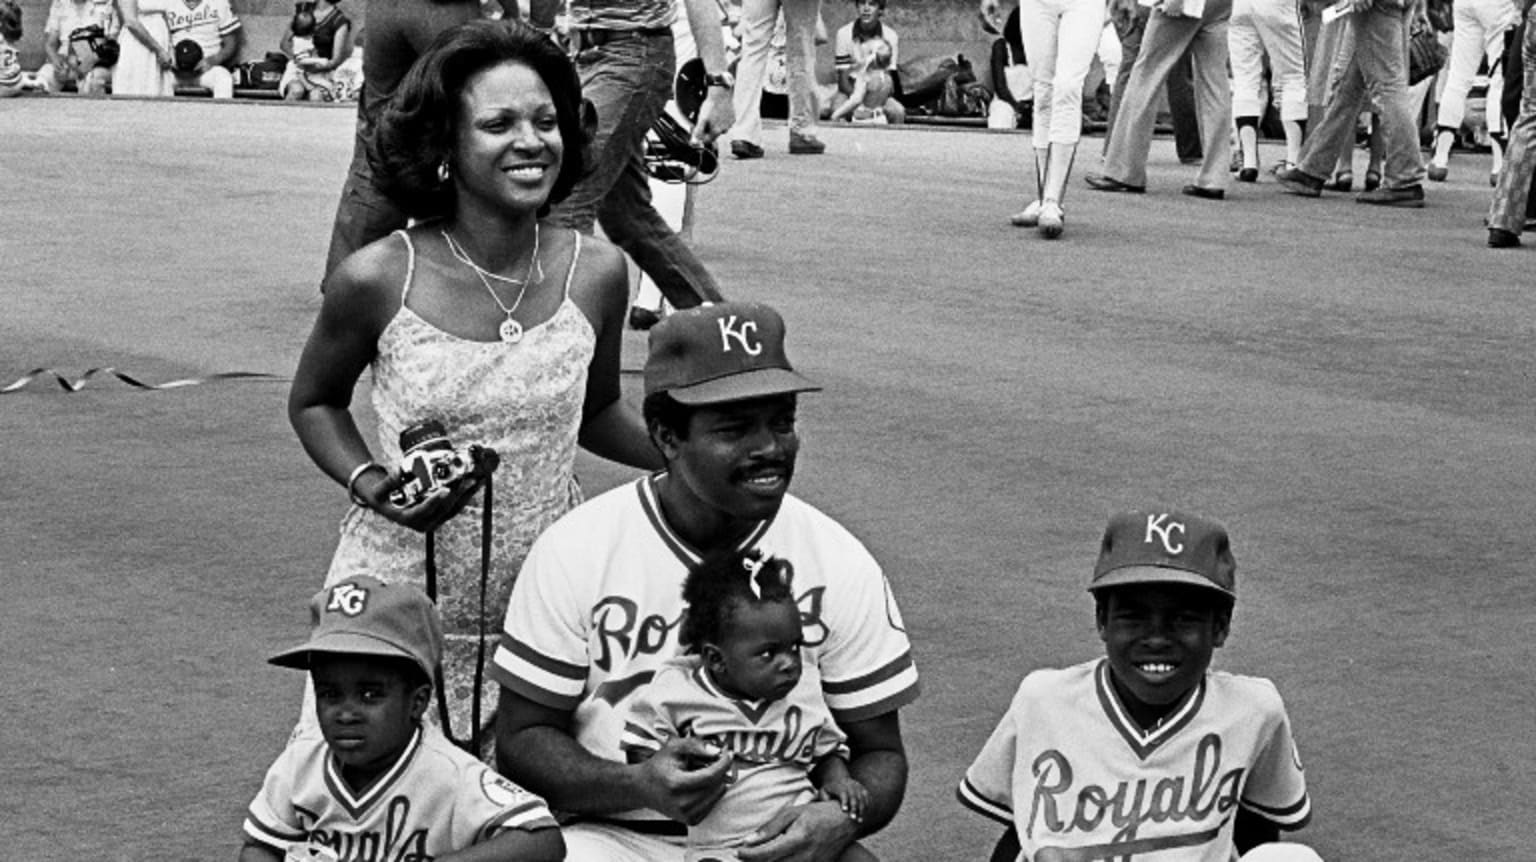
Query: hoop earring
(442,172)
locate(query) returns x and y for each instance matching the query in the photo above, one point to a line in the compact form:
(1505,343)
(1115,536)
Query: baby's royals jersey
(1080,780)
(435,800)
(596,609)
(774,743)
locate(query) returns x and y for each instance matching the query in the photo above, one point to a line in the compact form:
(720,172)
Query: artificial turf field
(1349,389)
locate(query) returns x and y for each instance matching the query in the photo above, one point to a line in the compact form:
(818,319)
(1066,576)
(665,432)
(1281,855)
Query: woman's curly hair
(417,129)
(723,582)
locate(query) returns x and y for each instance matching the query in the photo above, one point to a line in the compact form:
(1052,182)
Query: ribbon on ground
(78,383)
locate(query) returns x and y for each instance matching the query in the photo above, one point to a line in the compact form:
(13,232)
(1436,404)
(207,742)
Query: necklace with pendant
(510,331)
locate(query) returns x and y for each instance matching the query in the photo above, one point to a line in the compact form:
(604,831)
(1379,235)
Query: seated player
(872,89)
(740,687)
(373,782)
(1147,750)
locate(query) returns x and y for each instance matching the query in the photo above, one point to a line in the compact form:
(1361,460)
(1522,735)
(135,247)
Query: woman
(309,76)
(1061,38)
(144,60)
(505,331)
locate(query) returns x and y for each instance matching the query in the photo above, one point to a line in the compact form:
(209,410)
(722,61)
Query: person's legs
(1164,43)
(1077,40)
(1467,43)
(220,81)
(799,57)
(757,20)
(1183,110)
(1213,94)
(1039,26)
(364,214)
(1511,197)
(1246,50)
(1280,28)
(1130,31)
(1381,54)
(1335,130)
(628,81)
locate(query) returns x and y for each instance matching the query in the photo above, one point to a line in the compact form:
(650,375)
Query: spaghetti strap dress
(138,72)
(523,400)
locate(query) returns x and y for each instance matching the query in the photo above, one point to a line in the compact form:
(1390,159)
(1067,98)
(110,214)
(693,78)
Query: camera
(429,461)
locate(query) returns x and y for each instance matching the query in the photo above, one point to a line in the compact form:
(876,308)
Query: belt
(592,37)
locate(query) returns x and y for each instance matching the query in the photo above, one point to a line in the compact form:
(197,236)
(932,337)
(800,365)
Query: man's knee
(220,81)
(895,112)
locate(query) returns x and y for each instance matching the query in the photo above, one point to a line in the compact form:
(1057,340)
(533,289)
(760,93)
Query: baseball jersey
(205,22)
(774,743)
(595,612)
(1080,780)
(851,52)
(67,16)
(10,67)
(435,800)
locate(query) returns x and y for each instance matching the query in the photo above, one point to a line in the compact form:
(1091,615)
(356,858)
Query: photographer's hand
(435,509)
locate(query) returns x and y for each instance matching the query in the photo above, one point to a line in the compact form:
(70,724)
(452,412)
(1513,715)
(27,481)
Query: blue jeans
(628,79)
(1378,66)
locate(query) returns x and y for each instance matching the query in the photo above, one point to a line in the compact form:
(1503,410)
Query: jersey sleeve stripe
(888,698)
(524,653)
(1292,816)
(899,666)
(537,687)
(520,818)
(971,798)
(267,833)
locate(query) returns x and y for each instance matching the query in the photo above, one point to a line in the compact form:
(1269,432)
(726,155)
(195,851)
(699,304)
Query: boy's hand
(849,793)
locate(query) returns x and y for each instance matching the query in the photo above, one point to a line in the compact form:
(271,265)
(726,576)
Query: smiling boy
(1147,750)
(374,783)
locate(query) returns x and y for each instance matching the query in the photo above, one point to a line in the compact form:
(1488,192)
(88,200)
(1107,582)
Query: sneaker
(1438,173)
(746,150)
(1407,196)
(1052,219)
(1501,238)
(1030,217)
(1298,182)
(806,145)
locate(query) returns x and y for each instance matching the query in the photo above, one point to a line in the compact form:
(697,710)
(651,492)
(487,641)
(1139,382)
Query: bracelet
(357,474)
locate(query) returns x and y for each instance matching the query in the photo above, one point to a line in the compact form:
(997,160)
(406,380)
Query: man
(213,27)
(1379,65)
(597,605)
(759,20)
(70,62)
(1130,26)
(854,45)
(625,55)
(1173,28)
(399,31)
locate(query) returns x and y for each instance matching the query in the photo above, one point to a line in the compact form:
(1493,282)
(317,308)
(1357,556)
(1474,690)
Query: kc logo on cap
(348,599)
(721,352)
(365,616)
(1165,547)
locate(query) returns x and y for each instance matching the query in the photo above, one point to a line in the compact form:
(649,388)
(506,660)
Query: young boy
(374,783)
(1147,753)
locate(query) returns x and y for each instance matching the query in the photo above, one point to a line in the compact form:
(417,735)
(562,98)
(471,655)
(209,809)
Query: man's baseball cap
(720,352)
(364,616)
(187,54)
(1167,547)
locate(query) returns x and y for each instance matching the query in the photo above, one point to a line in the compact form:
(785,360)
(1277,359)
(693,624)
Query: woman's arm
(610,427)
(341,47)
(855,99)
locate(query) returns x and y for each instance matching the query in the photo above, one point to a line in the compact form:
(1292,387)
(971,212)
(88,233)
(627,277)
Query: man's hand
(716,116)
(686,778)
(817,832)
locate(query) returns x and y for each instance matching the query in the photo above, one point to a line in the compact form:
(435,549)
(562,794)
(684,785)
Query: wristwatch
(724,80)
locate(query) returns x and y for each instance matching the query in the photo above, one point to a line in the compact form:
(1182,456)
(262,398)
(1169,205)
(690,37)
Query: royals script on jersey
(436,799)
(774,743)
(596,608)
(1080,780)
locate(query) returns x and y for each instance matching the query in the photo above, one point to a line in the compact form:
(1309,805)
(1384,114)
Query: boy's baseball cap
(364,616)
(1149,547)
(720,352)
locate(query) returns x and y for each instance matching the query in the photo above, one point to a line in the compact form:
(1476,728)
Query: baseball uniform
(774,743)
(595,612)
(1080,780)
(436,799)
(205,22)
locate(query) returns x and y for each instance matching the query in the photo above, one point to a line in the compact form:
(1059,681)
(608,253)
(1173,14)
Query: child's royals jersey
(1080,780)
(596,608)
(436,799)
(774,743)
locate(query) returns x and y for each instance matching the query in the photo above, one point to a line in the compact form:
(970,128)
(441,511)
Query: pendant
(511,331)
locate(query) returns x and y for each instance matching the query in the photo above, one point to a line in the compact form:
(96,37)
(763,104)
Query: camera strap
(472,743)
